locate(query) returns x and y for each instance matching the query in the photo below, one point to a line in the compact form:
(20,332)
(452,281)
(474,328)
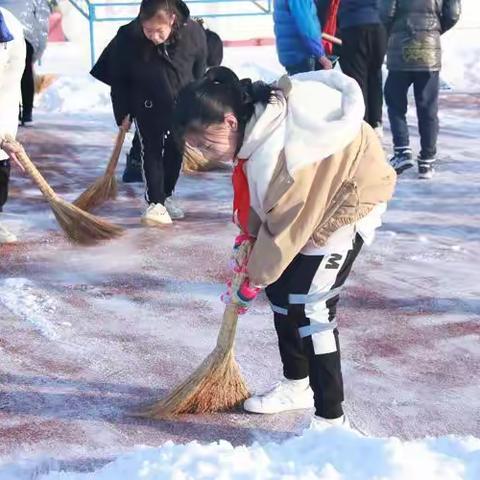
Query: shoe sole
(403,167)
(427,176)
(8,241)
(177,217)
(272,412)
(153,223)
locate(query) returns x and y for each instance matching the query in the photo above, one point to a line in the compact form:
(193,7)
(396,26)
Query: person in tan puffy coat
(311,183)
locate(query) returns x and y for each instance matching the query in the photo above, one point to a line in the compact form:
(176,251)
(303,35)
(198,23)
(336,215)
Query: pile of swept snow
(335,454)
(76,95)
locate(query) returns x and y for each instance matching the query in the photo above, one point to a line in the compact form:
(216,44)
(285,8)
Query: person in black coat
(146,65)
(414,57)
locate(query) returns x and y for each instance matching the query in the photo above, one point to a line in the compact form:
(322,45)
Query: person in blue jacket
(298,36)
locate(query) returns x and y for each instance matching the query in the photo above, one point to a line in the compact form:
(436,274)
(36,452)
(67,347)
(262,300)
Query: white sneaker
(156,214)
(176,213)
(284,396)
(6,236)
(319,423)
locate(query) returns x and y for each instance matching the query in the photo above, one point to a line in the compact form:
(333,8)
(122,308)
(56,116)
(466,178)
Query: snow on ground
(90,334)
(329,455)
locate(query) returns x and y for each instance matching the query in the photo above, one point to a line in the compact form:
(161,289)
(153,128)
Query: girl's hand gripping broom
(79,226)
(217,384)
(105,187)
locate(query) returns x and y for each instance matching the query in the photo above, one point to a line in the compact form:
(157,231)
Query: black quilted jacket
(414,28)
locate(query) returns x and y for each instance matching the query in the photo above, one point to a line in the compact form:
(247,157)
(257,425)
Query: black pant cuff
(330,413)
(295,375)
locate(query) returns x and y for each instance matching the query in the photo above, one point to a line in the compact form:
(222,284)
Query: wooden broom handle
(117,150)
(331,38)
(32,170)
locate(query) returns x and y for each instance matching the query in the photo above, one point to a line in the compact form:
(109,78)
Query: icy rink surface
(90,334)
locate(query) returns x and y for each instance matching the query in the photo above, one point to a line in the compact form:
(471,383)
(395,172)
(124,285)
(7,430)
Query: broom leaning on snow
(217,384)
(105,187)
(79,226)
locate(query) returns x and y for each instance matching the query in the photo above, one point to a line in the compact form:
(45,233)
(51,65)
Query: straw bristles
(103,189)
(79,226)
(194,161)
(82,227)
(217,384)
(43,82)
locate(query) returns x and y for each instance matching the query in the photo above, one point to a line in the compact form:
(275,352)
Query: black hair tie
(222,75)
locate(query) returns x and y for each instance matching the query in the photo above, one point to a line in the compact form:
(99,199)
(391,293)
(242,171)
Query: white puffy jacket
(12,65)
(34,15)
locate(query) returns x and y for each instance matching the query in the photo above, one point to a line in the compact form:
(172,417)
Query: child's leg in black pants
(304,301)
(161,158)
(28,85)
(4,179)
(173,163)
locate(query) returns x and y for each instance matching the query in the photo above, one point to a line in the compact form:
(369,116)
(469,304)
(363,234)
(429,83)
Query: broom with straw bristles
(217,384)
(195,161)
(105,187)
(79,226)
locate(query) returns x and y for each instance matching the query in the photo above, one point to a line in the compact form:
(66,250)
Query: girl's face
(159,28)
(217,142)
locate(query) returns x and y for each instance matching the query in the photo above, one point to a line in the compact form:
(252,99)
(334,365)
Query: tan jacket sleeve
(295,207)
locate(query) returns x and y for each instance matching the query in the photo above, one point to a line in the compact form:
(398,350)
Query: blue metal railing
(89,10)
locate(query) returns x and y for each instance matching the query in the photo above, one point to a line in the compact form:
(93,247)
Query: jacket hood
(321,113)
(183,9)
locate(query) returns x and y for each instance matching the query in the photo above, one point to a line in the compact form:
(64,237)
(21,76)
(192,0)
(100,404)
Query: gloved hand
(239,290)
(242,296)
(239,239)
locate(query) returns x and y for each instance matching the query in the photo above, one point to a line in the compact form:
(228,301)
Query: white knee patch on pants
(316,310)
(324,342)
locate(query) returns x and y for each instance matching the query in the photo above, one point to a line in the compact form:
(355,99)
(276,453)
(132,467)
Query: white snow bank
(461,50)
(334,454)
(76,94)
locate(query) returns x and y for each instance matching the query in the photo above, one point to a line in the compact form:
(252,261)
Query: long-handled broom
(79,226)
(194,161)
(217,384)
(105,187)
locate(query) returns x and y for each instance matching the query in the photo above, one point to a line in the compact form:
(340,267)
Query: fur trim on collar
(323,114)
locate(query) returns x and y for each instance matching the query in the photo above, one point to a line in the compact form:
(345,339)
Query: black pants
(4,179)
(161,156)
(28,84)
(363,51)
(304,301)
(425,88)
(136,150)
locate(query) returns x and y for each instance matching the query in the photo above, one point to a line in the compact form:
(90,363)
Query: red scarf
(330,26)
(241,196)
